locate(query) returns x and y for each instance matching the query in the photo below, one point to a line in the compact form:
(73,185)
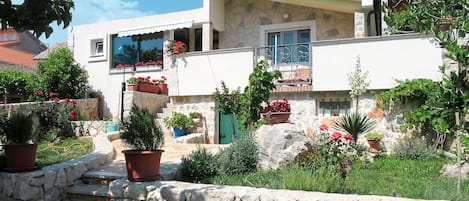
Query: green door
(229,128)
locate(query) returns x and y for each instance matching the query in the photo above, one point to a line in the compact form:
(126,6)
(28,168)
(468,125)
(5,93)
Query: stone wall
(303,113)
(203,104)
(153,102)
(50,183)
(243,19)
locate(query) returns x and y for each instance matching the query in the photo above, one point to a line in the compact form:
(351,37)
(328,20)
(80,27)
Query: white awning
(154,29)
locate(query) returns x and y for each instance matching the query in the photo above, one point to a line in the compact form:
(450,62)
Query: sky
(91,11)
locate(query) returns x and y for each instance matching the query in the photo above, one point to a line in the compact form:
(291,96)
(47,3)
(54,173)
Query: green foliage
(413,148)
(415,92)
(60,74)
(374,136)
(195,115)
(35,15)
(179,120)
(64,150)
(55,116)
(256,93)
(226,102)
(18,128)
(141,131)
(15,82)
(355,124)
(241,157)
(198,166)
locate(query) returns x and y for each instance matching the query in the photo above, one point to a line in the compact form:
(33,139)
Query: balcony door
(289,46)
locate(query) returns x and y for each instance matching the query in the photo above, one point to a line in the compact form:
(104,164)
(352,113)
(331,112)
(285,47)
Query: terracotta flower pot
(20,157)
(149,88)
(276,117)
(143,165)
(132,87)
(374,145)
(163,88)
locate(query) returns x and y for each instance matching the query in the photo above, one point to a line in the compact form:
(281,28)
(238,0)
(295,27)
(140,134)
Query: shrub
(179,120)
(15,82)
(242,156)
(355,124)
(412,148)
(374,136)
(199,166)
(141,131)
(59,73)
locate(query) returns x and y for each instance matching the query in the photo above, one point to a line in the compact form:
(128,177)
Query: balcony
(317,66)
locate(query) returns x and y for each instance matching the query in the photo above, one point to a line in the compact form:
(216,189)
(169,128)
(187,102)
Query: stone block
(193,138)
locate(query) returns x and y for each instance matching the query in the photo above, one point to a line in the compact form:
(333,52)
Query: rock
(23,191)
(451,170)
(280,144)
(193,138)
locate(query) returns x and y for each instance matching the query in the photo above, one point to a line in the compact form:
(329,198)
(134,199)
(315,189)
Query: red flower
(74,102)
(46,109)
(323,127)
(67,100)
(56,100)
(73,117)
(52,94)
(39,93)
(336,135)
(348,136)
(163,78)
(73,112)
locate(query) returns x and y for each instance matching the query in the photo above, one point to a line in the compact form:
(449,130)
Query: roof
(45,54)
(15,57)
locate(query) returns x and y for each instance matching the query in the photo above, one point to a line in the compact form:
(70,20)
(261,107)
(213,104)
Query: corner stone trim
(51,182)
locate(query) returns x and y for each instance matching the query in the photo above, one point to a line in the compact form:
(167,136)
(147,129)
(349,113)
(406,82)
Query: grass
(65,150)
(388,176)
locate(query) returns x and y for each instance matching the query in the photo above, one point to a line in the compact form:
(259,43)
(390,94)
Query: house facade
(315,44)
(17,50)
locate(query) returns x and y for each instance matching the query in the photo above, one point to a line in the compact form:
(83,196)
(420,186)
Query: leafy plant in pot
(373,140)
(277,112)
(180,122)
(146,137)
(20,155)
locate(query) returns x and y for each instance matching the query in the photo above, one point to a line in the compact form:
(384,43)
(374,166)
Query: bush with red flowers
(277,106)
(175,47)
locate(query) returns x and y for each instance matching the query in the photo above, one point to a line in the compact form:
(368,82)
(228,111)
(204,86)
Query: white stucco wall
(385,59)
(200,73)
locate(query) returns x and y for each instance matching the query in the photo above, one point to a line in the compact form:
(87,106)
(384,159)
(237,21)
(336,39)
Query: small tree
(59,73)
(358,83)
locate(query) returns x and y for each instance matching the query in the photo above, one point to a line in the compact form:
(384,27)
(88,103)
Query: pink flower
(348,136)
(323,127)
(336,135)
(52,94)
(56,100)
(39,93)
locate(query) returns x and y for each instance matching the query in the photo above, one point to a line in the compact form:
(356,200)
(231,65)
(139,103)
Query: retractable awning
(153,29)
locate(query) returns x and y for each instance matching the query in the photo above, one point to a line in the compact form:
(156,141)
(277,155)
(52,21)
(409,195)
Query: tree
(35,15)
(358,83)
(60,74)
(448,20)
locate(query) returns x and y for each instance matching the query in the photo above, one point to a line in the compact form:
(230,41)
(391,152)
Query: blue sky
(91,11)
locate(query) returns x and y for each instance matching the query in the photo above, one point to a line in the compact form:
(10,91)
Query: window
(334,108)
(289,46)
(137,50)
(96,47)
(198,39)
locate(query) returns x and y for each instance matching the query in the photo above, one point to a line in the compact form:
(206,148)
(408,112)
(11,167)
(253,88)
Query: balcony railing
(294,61)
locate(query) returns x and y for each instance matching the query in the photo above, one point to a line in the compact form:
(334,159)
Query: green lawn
(63,151)
(387,176)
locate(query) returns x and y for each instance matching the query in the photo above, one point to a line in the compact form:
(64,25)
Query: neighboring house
(17,50)
(314,43)
(45,54)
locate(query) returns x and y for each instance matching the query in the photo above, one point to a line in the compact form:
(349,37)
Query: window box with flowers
(175,47)
(277,112)
(146,84)
(132,84)
(163,86)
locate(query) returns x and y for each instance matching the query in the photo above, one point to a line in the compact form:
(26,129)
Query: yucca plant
(355,124)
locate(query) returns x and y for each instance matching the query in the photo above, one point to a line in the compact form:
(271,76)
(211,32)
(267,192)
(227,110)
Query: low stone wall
(89,128)
(174,191)
(51,182)
(153,102)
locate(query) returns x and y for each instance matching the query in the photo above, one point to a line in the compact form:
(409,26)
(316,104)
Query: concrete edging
(50,183)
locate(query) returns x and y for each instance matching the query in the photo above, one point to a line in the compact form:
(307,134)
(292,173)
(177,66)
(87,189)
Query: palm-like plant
(355,124)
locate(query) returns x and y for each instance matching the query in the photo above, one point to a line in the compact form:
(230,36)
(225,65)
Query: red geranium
(52,94)
(56,100)
(336,136)
(278,106)
(323,127)
(39,93)
(348,136)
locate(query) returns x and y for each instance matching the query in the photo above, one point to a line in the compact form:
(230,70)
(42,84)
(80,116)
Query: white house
(314,43)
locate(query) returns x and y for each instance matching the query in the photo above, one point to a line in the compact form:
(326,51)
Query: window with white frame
(334,107)
(96,47)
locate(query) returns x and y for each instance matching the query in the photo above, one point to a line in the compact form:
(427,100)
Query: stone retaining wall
(50,183)
(153,102)
(174,191)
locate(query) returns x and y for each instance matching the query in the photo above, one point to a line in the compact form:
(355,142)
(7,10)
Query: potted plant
(180,122)
(142,133)
(163,86)
(373,140)
(175,47)
(132,84)
(20,155)
(148,85)
(277,112)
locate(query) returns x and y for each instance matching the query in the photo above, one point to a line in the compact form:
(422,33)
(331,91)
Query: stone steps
(89,192)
